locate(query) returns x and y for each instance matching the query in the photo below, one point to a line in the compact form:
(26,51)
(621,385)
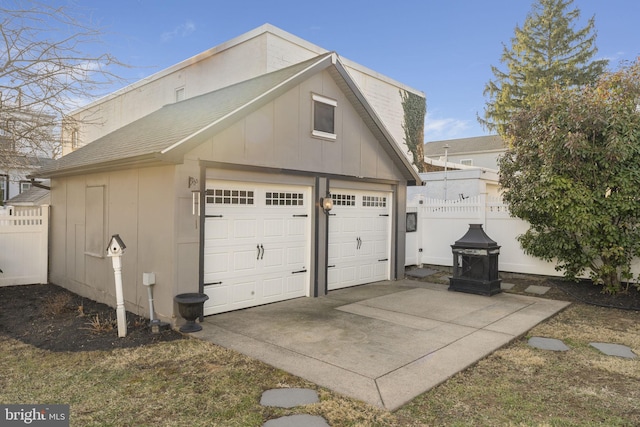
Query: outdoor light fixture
(326,203)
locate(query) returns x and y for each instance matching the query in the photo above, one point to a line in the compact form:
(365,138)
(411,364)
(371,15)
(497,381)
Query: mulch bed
(52,318)
(586,292)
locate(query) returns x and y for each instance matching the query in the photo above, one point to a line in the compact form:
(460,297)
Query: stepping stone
(538,290)
(548,344)
(297,421)
(288,397)
(506,286)
(420,273)
(614,349)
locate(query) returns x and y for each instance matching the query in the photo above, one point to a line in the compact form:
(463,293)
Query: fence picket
(24,233)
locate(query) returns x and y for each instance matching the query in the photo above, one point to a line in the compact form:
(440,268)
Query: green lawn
(193,383)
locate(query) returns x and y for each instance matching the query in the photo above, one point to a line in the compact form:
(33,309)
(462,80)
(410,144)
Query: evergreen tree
(547,51)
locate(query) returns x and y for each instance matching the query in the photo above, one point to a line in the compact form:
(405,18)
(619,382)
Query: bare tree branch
(51,61)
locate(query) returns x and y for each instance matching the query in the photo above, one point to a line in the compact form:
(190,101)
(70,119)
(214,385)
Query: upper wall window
(324,117)
(179,94)
(75,140)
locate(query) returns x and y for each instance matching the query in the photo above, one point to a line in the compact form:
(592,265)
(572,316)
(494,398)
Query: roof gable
(167,134)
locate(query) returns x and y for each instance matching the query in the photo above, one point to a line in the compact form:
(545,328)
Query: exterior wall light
(326,203)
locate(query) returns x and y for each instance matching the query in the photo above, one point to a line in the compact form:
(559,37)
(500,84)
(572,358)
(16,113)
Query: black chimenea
(475,263)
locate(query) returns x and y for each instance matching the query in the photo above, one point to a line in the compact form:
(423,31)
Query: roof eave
(390,140)
(147,160)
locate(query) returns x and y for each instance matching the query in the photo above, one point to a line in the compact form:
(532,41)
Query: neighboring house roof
(32,197)
(167,134)
(478,144)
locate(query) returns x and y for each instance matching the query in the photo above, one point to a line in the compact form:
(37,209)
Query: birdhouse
(116,246)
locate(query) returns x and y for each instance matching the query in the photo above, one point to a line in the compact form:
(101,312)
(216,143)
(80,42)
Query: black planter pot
(190,307)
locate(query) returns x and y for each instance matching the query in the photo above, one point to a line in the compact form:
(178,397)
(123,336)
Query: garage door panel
(359,237)
(296,284)
(296,256)
(245,260)
(274,227)
(218,263)
(366,272)
(245,229)
(273,259)
(265,232)
(219,296)
(215,230)
(272,287)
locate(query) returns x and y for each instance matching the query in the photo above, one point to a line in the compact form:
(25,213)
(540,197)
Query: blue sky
(444,48)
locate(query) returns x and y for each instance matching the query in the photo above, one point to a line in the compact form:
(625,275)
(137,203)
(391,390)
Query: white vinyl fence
(24,240)
(441,222)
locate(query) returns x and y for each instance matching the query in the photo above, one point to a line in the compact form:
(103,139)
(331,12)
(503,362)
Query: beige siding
(140,206)
(278,135)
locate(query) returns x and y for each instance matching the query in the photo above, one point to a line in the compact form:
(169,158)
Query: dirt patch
(51,318)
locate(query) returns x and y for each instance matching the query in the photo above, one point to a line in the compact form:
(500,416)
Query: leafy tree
(415,109)
(546,51)
(573,172)
(48,65)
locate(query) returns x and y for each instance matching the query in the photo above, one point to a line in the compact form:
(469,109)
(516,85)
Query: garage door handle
(386,259)
(262,249)
(330,266)
(213,216)
(299,271)
(300,216)
(214,283)
(383,215)
(258,248)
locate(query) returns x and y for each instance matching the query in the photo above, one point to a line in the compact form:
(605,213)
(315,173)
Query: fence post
(44,245)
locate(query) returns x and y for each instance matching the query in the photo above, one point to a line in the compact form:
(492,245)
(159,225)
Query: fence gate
(24,240)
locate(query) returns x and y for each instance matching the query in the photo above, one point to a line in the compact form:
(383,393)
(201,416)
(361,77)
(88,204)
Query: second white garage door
(359,238)
(257,244)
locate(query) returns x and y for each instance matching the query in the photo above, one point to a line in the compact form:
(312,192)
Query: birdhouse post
(114,251)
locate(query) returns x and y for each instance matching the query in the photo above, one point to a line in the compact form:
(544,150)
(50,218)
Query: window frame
(25,183)
(315,98)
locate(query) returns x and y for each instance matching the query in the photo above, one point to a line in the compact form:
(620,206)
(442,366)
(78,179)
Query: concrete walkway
(383,343)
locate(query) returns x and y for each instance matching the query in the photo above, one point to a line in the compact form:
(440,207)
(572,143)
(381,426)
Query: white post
(446,164)
(115,250)
(120,311)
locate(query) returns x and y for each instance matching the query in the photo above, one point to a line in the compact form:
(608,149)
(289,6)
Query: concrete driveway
(383,343)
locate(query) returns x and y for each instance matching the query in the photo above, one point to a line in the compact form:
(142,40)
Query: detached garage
(221,193)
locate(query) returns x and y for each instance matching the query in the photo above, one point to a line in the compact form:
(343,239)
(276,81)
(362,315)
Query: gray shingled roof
(144,140)
(464,145)
(33,196)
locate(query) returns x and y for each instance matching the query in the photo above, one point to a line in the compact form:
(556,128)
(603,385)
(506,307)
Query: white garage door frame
(257,243)
(360,235)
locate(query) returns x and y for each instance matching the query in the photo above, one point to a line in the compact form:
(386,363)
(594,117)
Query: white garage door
(359,238)
(257,244)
